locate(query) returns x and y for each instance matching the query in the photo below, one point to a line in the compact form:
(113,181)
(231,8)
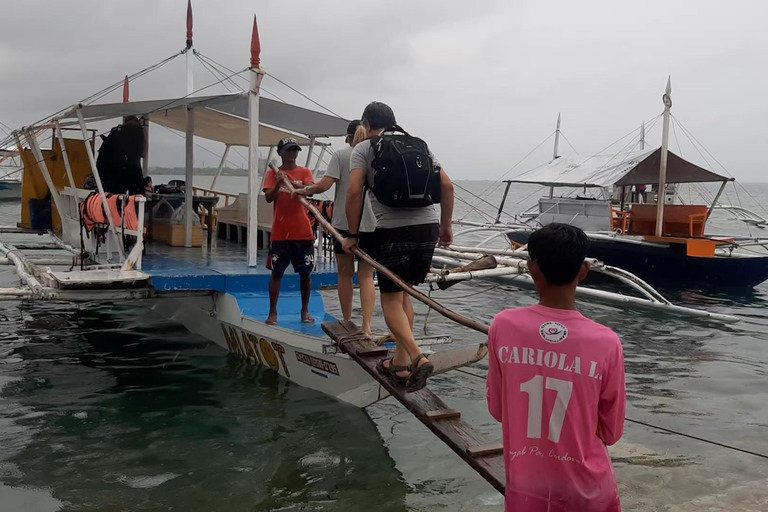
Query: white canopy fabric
(214,125)
(224,118)
(630,168)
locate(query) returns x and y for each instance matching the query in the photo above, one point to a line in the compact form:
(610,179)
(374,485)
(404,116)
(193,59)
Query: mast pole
(190,139)
(642,135)
(554,157)
(253,146)
(126,91)
(661,191)
(189,49)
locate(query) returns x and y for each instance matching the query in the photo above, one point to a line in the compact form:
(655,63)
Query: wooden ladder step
(444,414)
(373,352)
(485,449)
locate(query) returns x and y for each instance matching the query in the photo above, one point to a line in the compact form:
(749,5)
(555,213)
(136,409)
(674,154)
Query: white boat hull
(297,357)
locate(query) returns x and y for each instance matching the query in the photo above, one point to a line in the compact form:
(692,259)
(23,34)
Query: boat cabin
(54,183)
(623,173)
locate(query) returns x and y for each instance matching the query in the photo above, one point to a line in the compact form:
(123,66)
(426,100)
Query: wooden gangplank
(484,456)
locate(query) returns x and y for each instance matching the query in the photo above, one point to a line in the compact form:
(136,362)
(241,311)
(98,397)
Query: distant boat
(628,235)
(10,175)
(10,190)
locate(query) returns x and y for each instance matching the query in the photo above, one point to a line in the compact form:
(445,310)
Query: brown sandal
(419,374)
(393,369)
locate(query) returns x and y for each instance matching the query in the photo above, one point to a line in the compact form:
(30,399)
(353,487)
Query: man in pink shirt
(556,383)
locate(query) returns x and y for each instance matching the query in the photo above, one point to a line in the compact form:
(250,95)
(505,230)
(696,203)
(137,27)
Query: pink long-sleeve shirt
(556,383)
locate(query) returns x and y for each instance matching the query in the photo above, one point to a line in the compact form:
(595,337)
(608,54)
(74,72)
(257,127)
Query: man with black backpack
(404,181)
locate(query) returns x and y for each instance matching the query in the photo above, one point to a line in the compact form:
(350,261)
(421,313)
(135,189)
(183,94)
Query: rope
(674,132)
(100,94)
(473,208)
(304,95)
(10,173)
(691,136)
(162,107)
(703,440)
(663,429)
(486,289)
(569,142)
(238,75)
(215,71)
(490,187)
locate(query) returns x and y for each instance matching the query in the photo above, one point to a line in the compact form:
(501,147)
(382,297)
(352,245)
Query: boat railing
(227,200)
(72,197)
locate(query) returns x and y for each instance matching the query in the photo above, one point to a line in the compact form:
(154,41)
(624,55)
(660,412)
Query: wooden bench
(232,220)
(679,220)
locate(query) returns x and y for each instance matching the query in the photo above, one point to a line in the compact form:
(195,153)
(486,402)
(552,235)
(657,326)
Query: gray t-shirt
(388,217)
(338,168)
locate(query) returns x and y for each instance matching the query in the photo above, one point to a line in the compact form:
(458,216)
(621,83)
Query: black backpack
(404,175)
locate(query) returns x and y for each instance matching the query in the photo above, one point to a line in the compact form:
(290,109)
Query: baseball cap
(287,143)
(352,126)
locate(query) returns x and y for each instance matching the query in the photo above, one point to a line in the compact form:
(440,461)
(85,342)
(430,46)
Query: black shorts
(299,253)
(407,251)
(365,241)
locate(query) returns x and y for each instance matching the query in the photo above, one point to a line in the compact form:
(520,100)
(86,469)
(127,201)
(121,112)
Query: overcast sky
(482,82)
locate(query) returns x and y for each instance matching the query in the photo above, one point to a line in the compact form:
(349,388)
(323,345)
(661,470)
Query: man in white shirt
(338,174)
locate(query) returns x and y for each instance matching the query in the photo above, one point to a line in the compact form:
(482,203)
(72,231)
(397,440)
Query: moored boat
(654,236)
(216,287)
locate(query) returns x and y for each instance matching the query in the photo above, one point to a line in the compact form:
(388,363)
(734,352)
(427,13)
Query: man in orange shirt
(293,240)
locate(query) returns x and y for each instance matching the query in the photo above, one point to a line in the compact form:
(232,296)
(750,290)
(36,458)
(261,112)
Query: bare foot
(271,319)
(307,318)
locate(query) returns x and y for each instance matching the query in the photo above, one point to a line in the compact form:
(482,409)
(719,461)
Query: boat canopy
(224,118)
(623,169)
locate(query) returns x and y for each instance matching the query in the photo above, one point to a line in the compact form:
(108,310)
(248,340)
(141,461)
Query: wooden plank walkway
(474,447)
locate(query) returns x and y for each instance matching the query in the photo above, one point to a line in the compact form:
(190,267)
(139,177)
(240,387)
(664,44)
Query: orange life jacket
(92,211)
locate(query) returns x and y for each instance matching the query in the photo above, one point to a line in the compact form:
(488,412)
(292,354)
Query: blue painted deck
(224,269)
(256,306)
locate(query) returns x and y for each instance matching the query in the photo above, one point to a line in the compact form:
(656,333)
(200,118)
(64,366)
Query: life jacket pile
(93,214)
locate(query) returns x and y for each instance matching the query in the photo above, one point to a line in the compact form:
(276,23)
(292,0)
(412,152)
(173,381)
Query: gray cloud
(481,81)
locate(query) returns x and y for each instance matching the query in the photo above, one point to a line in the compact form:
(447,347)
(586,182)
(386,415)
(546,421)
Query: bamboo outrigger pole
(452,315)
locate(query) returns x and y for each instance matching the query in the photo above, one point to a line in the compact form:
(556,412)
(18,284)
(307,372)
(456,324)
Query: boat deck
(224,269)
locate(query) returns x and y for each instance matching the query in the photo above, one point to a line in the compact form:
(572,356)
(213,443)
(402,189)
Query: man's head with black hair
(557,255)
(377,116)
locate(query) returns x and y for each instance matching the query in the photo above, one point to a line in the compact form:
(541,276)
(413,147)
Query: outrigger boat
(217,288)
(661,240)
